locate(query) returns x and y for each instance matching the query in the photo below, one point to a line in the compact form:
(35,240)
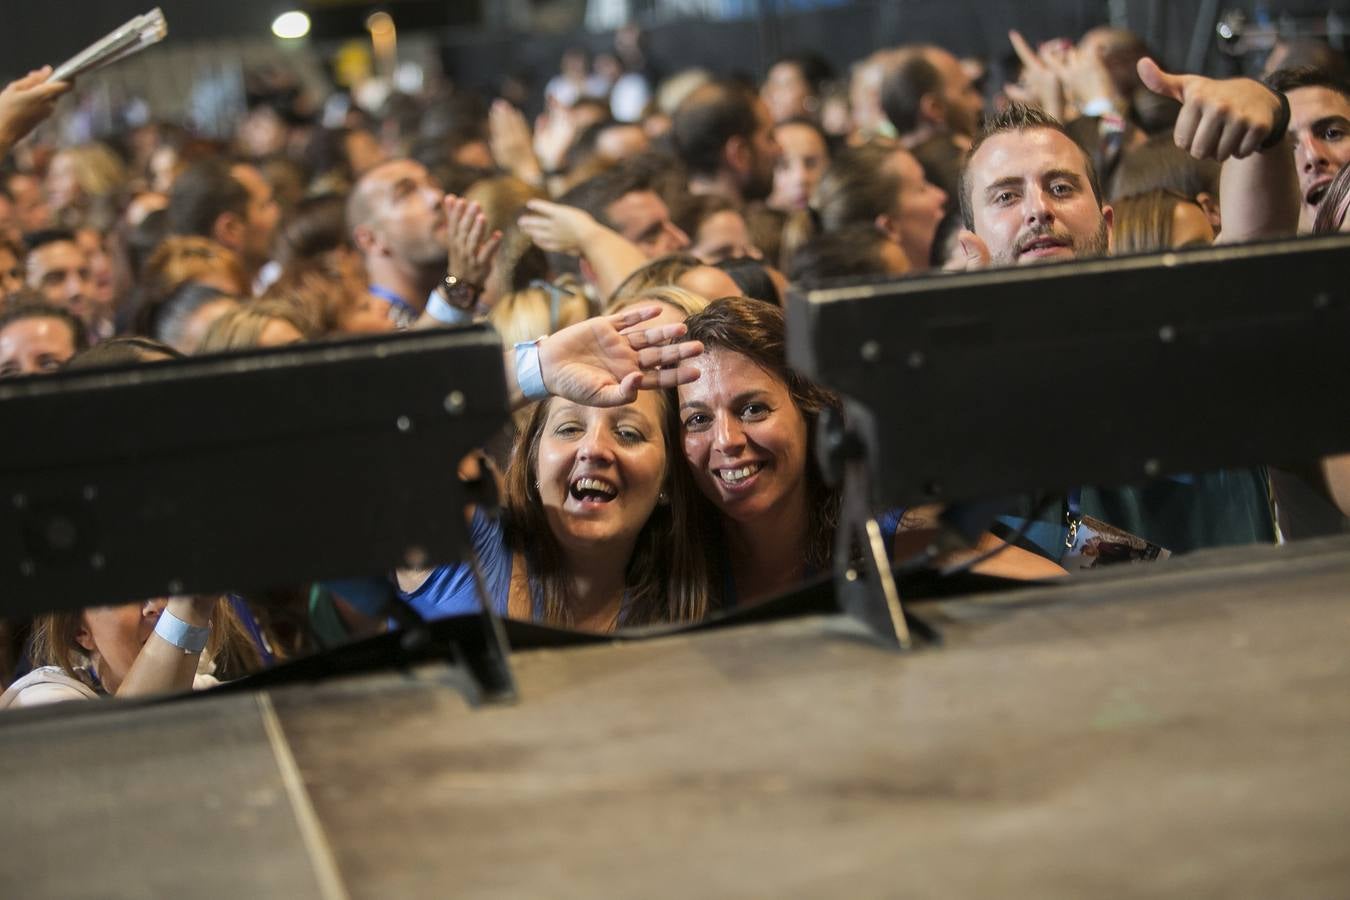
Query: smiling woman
(748,426)
(594,532)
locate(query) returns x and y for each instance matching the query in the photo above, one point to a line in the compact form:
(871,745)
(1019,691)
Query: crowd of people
(635,258)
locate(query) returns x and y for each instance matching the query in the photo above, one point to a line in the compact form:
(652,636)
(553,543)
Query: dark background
(478,51)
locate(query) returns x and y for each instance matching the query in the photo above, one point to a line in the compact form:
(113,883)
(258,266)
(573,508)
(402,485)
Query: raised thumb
(1158,81)
(974,253)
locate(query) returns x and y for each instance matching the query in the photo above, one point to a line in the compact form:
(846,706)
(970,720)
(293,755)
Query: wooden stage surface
(1181,730)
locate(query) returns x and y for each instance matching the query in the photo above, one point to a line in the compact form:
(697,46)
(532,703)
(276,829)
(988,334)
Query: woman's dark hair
(695,209)
(316,226)
(814,68)
(1159,164)
(142,239)
(667,577)
(758,331)
(858,186)
(852,252)
(752,278)
(123,351)
(326,154)
(1331,211)
(165,319)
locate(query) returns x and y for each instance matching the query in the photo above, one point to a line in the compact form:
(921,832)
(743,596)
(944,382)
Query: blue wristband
(188,638)
(529,374)
(443,312)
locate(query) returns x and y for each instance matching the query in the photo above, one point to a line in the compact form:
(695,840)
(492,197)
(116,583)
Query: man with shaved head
(397,222)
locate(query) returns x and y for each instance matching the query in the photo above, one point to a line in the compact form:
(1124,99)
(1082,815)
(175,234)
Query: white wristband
(1099,106)
(529,373)
(191,639)
(443,312)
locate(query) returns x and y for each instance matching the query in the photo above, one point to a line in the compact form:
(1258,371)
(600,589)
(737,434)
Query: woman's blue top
(449,590)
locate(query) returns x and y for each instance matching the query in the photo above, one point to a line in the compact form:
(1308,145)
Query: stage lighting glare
(291,25)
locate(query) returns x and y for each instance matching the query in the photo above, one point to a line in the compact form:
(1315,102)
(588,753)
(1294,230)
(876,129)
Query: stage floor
(1179,730)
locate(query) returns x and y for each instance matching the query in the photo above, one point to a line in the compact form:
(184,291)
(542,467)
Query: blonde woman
(83,186)
(262,323)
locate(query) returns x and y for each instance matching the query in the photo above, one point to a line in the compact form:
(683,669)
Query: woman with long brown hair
(133,650)
(748,427)
(594,532)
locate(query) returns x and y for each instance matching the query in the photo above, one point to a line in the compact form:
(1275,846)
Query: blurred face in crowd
(802,162)
(114,635)
(360,313)
(642,217)
(101,286)
(1032,199)
(620,142)
(786,92)
(921,206)
(1319,120)
(364,151)
(474,153)
(608,67)
(262,215)
(864,96)
(409,221)
(59,271)
(744,438)
(600,471)
(758,183)
(35,345)
(961,100)
(262,133)
(9,222)
(63,183)
(364,316)
(30,204)
(723,235)
(11,272)
(163,169)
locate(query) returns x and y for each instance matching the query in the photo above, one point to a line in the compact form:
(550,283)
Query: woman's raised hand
(606,360)
(557,227)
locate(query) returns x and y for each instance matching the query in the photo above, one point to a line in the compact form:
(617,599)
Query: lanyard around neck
(393,299)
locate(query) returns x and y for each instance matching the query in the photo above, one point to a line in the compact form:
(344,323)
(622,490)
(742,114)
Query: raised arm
(604,361)
(1232,121)
(162,667)
(25,103)
(566,229)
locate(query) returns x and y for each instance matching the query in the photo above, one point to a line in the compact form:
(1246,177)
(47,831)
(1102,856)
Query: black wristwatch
(460,294)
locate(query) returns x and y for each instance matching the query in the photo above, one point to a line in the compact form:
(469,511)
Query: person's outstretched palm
(606,360)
